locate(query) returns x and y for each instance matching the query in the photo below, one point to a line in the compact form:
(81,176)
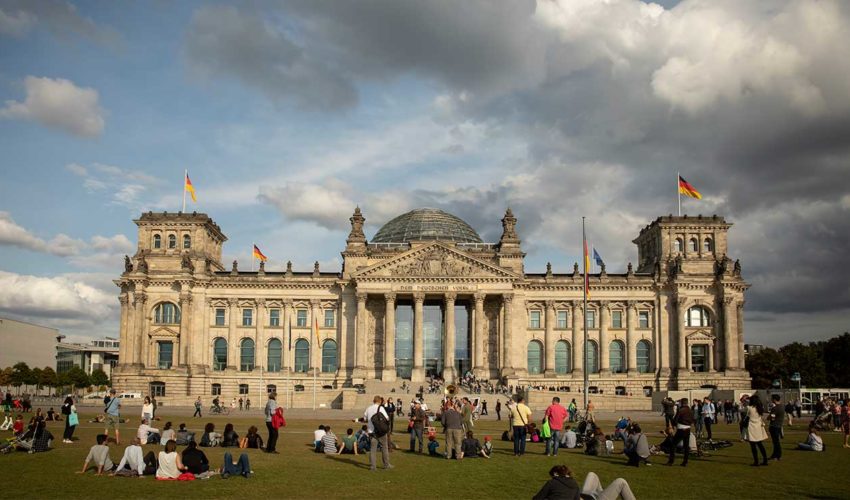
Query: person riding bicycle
(216,404)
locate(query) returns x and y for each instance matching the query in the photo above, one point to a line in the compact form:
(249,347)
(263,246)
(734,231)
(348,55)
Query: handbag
(73,419)
(546,431)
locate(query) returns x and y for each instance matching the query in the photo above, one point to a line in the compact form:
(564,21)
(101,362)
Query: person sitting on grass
(148,434)
(596,444)
(637,446)
(349,443)
(230,439)
(561,486)
(569,438)
(210,437)
(241,467)
(329,442)
(170,465)
(182,436)
(487,447)
(471,448)
(18,426)
(42,438)
(432,446)
(134,463)
(813,443)
(194,459)
(253,439)
(99,454)
(363,442)
(167,434)
(318,434)
(592,489)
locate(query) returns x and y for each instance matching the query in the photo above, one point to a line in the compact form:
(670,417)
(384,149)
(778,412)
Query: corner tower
(164,238)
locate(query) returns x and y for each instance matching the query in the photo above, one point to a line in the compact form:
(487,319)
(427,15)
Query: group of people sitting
(33,437)
(209,438)
(191,464)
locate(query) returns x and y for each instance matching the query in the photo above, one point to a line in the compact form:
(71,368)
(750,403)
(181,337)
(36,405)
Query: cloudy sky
(288,114)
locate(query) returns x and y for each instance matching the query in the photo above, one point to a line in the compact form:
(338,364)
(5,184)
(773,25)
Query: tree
(35,379)
(48,378)
(20,374)
(836,356)
(6,377)
(78,378)
(807,360)
(99,378)
(765,366)
(63,380)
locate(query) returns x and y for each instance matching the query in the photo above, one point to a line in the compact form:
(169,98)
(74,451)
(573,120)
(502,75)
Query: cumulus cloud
(15,235)
(60,104)
(53,297)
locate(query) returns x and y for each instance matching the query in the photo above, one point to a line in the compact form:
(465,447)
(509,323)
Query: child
(18,426)
(488,446)
(609,445)
(432,446)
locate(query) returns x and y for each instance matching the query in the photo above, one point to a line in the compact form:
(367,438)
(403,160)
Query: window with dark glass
(329,356)
(562,357)
(301,317)
(187,241)
(157,389)
(534,319)
(562,320)
(302,356)
(219,316)
(329,318)
(219,354)
(535,358)
(166,313)
(591,362)
(699,358)
(643,352)
(246,355)
(157,241)
(617,319)
(172,241)
(247,317)
(643,319)
(215,390)
(166,352)
(617,357)
(275,351)
(274,317)
(243,389)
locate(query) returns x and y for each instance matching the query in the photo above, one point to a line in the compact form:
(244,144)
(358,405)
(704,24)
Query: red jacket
(278,420)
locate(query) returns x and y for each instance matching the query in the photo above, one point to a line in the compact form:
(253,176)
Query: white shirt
(570,439)
(144,429)
(318,434)
(168,465)
(147,409)
(166,436)
(133,457)
(370,412)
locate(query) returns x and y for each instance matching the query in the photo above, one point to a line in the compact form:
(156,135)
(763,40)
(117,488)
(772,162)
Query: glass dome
(426,224)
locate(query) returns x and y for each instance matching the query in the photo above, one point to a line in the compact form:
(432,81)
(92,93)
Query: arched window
(275,350)
(329,356)
(535,357)
(592,357)
(678,245)
(693,246)
(562,357)
(219,354)
(166,313)
(187,241)
(246,355)
(157,241)
(617,357)
(172,241)
(642,352)
(302,356)
(698,316)
(707,246)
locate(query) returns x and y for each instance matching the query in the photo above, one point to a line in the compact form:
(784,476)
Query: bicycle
(220,410)
(704,446)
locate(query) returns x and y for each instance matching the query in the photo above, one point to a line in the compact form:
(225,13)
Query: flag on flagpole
(259,255)
(190,188)
(586,267)
(597,258)
(687,189)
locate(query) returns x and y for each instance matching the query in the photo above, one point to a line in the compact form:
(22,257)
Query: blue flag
(597,258)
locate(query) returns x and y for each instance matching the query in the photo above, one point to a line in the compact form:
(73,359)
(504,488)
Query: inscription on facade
(435,288)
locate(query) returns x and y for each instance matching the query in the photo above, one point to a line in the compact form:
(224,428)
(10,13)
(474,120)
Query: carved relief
(435,262)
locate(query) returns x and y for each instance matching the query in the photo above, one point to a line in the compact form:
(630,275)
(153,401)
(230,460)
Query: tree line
(822,364)
(23,378)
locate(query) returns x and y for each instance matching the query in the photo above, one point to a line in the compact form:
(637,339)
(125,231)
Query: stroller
(823,422)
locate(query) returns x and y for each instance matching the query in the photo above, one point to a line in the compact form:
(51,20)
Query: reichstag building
(425,295)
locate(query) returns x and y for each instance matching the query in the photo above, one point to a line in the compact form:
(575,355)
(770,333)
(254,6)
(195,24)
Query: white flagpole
(586,283)
(678,193)
(185,176)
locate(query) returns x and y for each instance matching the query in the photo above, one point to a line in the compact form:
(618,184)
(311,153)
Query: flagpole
(253,257)
(185,176)
(315,368)
(584,315)
(679,193)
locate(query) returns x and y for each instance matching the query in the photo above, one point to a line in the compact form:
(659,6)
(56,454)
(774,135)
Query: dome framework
(426,224)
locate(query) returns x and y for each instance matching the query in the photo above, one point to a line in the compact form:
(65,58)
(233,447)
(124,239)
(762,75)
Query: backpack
(380,424)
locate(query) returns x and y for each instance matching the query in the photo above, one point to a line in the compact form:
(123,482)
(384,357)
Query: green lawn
(299,473)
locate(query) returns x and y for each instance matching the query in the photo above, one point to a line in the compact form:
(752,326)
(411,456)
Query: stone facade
(438,302)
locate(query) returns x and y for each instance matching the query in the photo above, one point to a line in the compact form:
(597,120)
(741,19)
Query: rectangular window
(698,358)
(219,316)
(591,319)
(157,389)
(166,350)
(562,320)
(243,389)
(271,389)
(617,319)
(301,317)
(247,317)
(643,319)
(274,317)
(534,319)
(216,390)
(329,318)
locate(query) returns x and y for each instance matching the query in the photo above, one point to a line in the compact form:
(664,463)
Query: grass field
(299,473)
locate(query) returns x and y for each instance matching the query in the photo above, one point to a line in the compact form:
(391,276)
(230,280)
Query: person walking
(708,415)
(520,416)
(376,414)
(113,414)
(682,422)
(498,409)
(668,410)
(453,424)
(572,408)
(754,430)
(71,420)
(247,404)
(198,405)
(418,420)
(270,410)
(555,414)
(389,407)
(241,403)
(588,411)
(777,418)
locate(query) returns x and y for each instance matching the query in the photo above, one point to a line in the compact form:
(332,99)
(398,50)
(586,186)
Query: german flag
(259,255)
(190,188)
(686,189)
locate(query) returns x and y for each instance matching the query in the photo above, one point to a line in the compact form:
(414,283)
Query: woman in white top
(814,443)
(167,434)
(147,409)
(755,430)
(170,466)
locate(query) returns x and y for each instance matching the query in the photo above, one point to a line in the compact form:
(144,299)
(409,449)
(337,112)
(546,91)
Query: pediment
(436,260)
(164,331)
(701,335)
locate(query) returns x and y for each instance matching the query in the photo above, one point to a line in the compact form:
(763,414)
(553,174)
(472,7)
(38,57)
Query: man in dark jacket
(453,424)
(419,418)
(669,410)
(683,421)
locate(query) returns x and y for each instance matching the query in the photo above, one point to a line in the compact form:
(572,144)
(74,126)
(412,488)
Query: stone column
(139,342)
(682,341)
(549,339)
(729,341)
(478,337)
(125,336)
(418,372)
(315,341)
(739,333)
(232,335)
(578,339)
(389,374)
(261,357)
(181,351)
(631,341)
(449,373)
(360,335)
(287,336)
(710,361)
(604,342)
(507,338)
